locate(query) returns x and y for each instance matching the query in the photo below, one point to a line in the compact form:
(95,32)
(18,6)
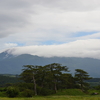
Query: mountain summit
(5,55)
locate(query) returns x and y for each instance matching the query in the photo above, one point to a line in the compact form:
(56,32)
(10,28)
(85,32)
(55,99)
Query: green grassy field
(57,98)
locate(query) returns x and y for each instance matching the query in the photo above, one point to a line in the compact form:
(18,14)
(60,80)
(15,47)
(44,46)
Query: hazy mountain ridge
(6,55)
(10,64)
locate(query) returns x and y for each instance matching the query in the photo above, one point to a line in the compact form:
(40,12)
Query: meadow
(56,98)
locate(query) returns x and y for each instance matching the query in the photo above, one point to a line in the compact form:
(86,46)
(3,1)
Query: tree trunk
(35,90)
(55,87)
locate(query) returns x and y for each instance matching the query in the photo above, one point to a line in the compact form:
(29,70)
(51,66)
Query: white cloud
(64,16)
(11,45)
(57,26)
(80,48)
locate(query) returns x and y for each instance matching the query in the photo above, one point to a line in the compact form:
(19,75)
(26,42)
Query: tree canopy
(81,76)
(52,76)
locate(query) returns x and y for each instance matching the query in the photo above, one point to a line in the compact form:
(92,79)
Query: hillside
(7,79)
(10,64)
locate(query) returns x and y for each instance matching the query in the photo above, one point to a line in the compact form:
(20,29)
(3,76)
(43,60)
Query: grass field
(57,98)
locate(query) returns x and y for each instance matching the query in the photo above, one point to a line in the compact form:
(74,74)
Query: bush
(12,91)
(24,86)
(3,94)
(45,92)
(2,89)
(27,93)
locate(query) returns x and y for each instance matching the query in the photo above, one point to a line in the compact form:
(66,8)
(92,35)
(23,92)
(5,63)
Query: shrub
(12,91)
(24,86)
(27,93)
(45,92)
(2,94)
(2,89)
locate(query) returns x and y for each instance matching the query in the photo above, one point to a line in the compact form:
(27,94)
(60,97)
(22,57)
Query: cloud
(13,17)
(80,48)
(11,44)
(55,26)
(48,16)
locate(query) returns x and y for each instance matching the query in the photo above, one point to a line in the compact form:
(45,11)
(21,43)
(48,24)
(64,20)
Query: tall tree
(41,75)
(55,71)
(81,76)
(28,75)
(50,76)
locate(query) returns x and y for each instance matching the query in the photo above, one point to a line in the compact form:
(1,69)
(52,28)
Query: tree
(81,76)
(67,81)
(48,77)
(55,72)
(28,75)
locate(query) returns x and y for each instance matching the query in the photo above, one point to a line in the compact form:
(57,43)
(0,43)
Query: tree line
(54,77)
(46,80)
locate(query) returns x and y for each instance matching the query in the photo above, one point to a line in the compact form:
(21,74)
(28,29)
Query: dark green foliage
(67,81)
(2,91)
(24,86)
(28,75)
(50,76)
(54,75)
(45,92)
(2,94)
(12,91)
(81,76)
(97,87)
(4,80)
(47,80)
(27,93)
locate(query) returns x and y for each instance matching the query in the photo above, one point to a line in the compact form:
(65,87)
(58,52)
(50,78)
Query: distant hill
(7,79)
(10,64)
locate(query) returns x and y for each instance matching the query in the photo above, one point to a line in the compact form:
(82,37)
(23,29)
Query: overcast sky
(69,28)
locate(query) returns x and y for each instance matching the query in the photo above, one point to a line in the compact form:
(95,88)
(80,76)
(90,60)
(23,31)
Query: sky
(63,28)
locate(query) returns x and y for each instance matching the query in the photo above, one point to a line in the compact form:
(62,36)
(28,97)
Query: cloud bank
(80,48)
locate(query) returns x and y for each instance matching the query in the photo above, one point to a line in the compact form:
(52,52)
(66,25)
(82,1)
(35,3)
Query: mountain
(5,55)
(10,64)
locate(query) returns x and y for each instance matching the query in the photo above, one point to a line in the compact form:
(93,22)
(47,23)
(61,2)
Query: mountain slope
(10,64)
